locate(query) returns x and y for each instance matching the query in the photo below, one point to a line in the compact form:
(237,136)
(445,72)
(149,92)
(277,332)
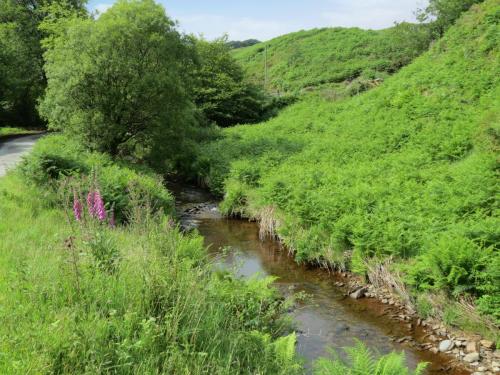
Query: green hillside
(407,170)
(332,57)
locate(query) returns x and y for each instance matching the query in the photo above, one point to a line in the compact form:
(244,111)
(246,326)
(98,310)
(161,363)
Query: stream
(326,319)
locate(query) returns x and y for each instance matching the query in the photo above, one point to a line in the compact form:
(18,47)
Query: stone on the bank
(471,347)
(487,344)
(445,345)
(472,357)
(360,293)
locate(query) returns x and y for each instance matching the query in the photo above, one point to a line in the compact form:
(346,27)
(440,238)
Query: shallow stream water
(326,319)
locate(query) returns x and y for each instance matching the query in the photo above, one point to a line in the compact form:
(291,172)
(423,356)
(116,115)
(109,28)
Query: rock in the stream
(472,357)
(445,345)
(360,293)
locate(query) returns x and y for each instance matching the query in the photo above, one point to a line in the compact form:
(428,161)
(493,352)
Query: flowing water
(327,319)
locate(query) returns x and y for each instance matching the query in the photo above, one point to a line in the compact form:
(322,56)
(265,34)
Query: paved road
(13,149)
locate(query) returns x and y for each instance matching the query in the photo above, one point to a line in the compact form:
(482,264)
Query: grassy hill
(407,170)
(331,57)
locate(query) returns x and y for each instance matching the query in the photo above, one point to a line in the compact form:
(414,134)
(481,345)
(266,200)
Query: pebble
(471,347)
(471,357)
(487,344)
(445,345)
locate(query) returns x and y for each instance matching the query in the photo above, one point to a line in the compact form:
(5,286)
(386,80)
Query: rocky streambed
(339,307)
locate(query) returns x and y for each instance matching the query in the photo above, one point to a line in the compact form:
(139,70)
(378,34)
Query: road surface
(12,150)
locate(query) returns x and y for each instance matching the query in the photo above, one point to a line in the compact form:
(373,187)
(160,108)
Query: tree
(443,13)
(21,74)
(116,82)
(219,86)
(233,44)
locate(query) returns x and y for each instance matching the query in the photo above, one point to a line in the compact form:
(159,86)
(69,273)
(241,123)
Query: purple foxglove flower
(99,209)
(77,208)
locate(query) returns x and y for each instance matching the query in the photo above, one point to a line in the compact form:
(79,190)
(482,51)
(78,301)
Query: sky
(264,20)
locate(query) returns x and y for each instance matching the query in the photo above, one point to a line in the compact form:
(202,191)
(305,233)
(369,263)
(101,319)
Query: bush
(56,156)
(459,266)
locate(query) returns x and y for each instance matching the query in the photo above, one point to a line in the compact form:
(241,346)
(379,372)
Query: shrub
(57,156)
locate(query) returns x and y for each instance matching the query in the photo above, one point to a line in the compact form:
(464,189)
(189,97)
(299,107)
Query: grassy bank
(407,171)
(339,61)
(12,131)
(83,293)
(86,297)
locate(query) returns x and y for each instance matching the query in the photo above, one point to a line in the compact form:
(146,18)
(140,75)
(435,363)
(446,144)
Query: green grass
(338,60)
(82,297)
(407,170)
(8,131)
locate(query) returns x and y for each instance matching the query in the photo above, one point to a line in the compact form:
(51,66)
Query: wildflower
(77,208)
(91,203)
(99,209)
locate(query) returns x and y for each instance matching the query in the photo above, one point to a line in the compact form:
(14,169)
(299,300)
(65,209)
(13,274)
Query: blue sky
(264,20)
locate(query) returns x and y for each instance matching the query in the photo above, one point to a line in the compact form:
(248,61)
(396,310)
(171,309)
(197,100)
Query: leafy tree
(220,89)
(116,82)
(242,43)
(21,63)
(443,13)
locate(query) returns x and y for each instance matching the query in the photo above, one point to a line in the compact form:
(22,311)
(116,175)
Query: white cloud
(372,14)
(213,26)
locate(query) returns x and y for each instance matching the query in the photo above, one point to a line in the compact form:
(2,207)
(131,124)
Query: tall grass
(159,309)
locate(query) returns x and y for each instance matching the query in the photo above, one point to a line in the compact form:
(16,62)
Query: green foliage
(161,311)
(21,75)
(115,83)
(459,265)
(336,60)
(408,169)
(56,156)
(242,43)
(362,361)
(11,131)
(219,86)
(443,13)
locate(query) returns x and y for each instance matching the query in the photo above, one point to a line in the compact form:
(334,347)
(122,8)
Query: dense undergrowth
(80,293)
(407,170)
(341,61)
(82,296)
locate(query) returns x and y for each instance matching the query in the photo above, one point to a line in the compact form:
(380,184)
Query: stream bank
(327,318)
